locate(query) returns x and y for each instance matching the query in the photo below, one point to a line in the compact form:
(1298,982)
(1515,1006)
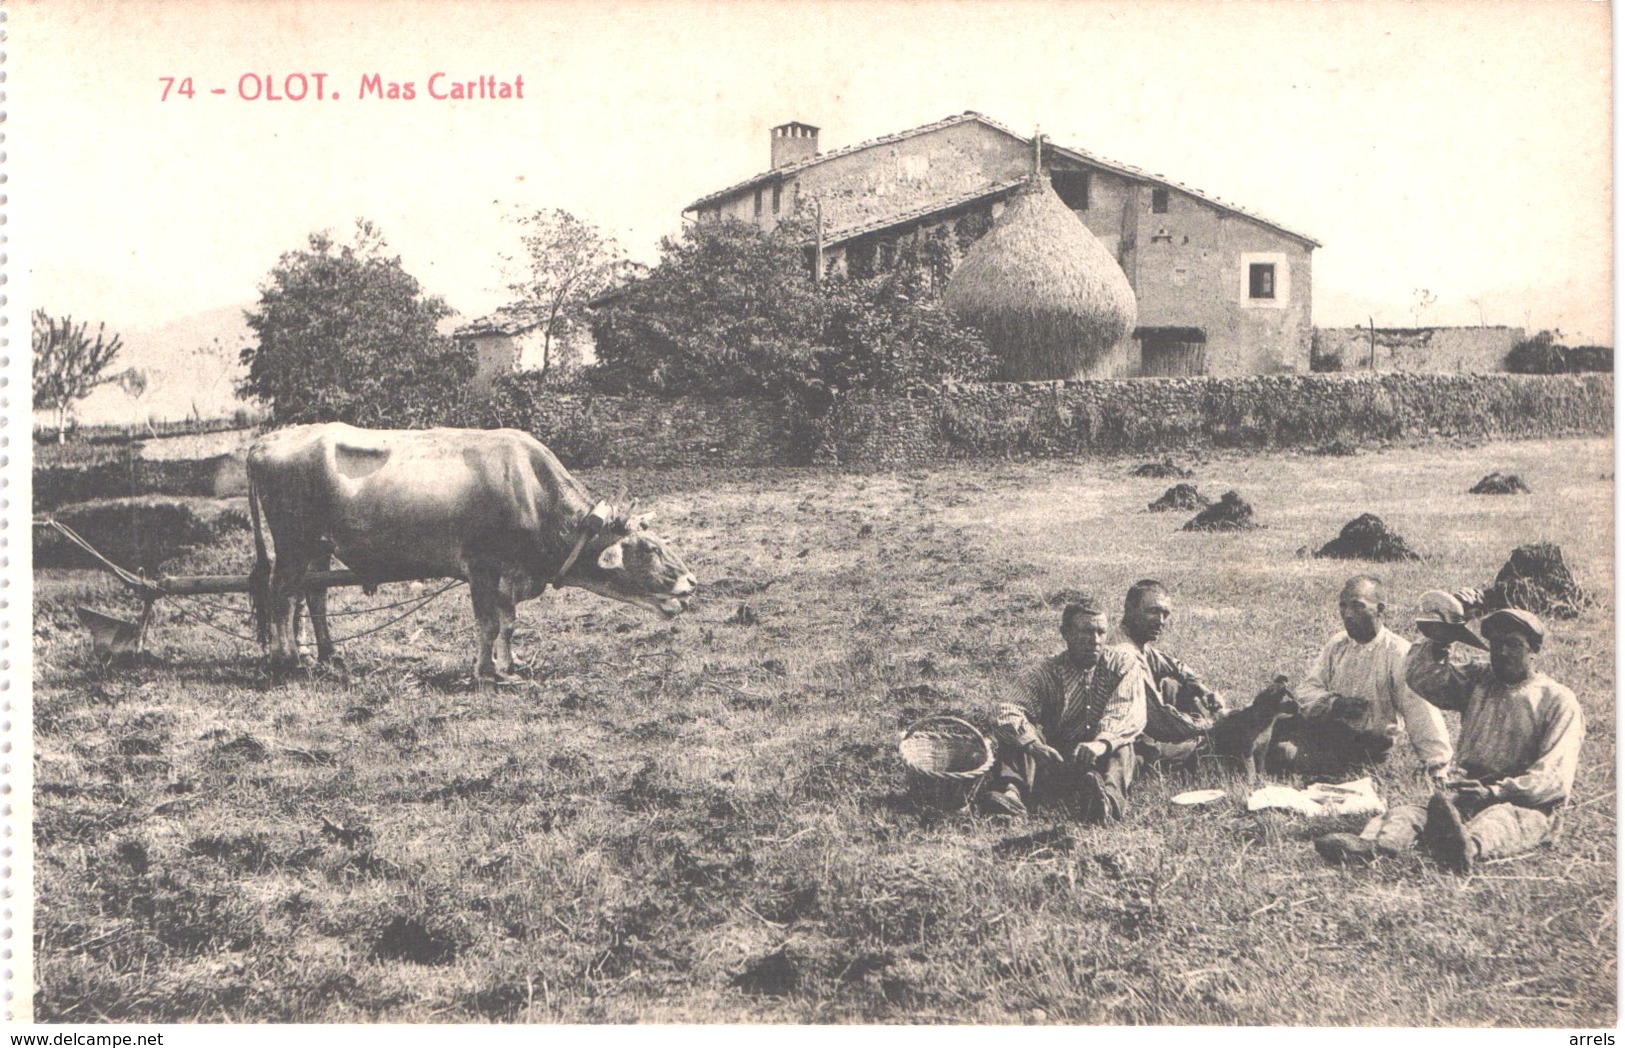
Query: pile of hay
(1180,496)
(1366,537)
(1499,483)
(1536,578)
(141,533)
(1230,513)
(1048,297)
(1166,468)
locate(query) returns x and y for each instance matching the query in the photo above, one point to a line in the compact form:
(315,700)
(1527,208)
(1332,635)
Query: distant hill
(191,366)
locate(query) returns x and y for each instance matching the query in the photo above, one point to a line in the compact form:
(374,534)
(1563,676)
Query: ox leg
(287,576)
(502,651)
(316,599)
(484,591)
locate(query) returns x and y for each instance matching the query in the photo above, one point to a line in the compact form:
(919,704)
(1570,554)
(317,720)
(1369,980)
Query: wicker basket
(946,758)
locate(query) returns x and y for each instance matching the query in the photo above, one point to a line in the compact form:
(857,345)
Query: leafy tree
(135,382)
(733,310)
(728,310)
(68,365)
(566,263)
(889,332)
(345,334)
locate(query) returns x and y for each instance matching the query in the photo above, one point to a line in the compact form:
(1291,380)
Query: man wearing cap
(1066,726)
(1515,760)
(1180,708)
(1355,699)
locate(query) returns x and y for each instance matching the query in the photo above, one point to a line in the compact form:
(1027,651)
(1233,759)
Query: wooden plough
(113,636)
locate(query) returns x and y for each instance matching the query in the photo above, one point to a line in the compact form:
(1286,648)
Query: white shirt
(1376,671)
(1524,739)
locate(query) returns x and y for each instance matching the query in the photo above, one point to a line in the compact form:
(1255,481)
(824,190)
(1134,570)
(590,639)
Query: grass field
(706,819)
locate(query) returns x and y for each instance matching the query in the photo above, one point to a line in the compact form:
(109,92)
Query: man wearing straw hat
(1515,761)
(1066,726)
(1355,699)
(1180,707)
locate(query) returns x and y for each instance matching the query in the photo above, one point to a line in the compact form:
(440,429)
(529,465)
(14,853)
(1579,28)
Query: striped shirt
(1061,704)
(1523,739)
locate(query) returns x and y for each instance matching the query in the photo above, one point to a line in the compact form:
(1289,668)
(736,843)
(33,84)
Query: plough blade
(111,636)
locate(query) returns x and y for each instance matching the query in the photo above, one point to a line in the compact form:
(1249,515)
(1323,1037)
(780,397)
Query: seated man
(1355,700)
(1520,745)
(1066,726)
(1180,708)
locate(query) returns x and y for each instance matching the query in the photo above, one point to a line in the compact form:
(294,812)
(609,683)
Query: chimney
(793,143)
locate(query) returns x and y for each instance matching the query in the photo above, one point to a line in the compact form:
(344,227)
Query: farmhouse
(513,339)
(1221,290)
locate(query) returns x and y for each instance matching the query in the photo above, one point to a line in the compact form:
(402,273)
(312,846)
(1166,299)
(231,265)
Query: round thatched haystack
(1048,297)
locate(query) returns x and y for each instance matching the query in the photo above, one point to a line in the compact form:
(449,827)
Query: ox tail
(259,580)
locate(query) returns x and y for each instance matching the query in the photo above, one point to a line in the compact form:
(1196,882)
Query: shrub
(1544,355)
(732,310)
(729,309)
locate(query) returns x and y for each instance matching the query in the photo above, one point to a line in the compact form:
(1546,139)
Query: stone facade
(1435,349)
(1196,265)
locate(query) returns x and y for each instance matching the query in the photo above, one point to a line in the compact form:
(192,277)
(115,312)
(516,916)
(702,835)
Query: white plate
(1191,798)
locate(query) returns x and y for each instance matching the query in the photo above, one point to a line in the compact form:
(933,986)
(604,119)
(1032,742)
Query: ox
(493,507)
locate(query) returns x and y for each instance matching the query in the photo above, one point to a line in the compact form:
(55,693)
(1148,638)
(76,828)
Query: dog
(1245,735)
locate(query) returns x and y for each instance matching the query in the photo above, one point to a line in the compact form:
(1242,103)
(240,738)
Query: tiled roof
(839,236)
(790,169)
(1145,176)
(505,321)
(968,117)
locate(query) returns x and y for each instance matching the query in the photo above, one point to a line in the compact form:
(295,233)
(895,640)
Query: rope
(416,603)
(219,629)
(331,614)
(135,582)
(382,607)
(405,614)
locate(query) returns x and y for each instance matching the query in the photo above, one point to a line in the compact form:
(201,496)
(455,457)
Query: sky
(1459,148)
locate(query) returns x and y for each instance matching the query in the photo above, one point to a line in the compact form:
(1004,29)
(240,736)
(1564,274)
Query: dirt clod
(1366,537)
(1230,513)
(776,975)
(243,747)
(407,939)
(1180,496)
(1536,578)
(1499,483)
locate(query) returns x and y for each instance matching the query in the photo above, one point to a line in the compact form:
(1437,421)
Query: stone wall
(1063,419)
(1012,420)
(586,429)
(1437,349)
